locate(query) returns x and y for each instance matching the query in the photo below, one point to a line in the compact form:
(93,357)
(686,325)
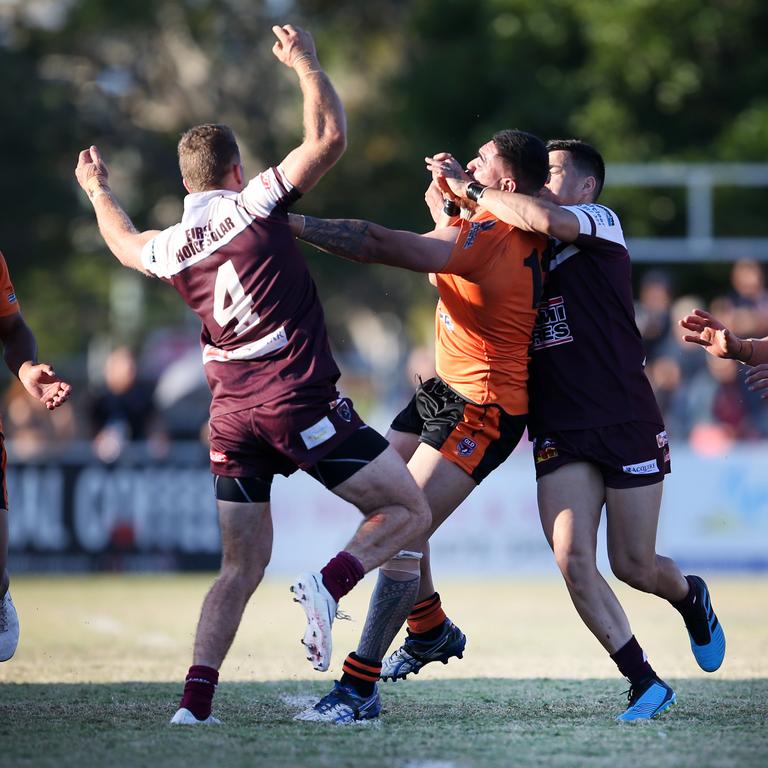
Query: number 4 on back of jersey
(230,300)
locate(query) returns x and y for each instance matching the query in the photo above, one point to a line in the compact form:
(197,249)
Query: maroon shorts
(279,438)
(628,455)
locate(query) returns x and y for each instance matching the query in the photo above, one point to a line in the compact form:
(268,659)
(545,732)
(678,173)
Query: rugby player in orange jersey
(598,435)
(465,422)
(40,380)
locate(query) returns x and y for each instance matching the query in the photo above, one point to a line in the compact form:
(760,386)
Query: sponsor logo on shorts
(545,450)
(318,433)
(662,439)
(644,468)
(344,411)
(466,446)
(218,457)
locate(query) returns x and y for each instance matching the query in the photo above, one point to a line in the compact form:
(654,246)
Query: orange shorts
(477,438)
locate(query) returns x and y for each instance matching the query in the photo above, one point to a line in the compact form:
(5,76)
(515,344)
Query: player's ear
(589,185)
(238,173)
(507,184)
(186,185)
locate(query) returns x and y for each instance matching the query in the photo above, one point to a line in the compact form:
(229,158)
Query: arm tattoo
(341,237)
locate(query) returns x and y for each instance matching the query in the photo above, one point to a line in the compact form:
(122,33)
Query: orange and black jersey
(489,292)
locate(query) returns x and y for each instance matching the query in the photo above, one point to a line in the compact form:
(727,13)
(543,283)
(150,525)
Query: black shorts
(628,455)
(477,438)
(280,438)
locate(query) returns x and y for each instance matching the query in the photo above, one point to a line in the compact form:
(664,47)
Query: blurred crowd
(704,399)
(157,396)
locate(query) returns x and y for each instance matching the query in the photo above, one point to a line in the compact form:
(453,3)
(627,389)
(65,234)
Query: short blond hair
(206,153)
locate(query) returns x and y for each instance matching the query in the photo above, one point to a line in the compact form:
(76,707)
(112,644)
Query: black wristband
(450,207)
(475,191)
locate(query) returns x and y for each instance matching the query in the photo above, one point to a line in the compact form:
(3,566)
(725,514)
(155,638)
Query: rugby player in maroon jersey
(40,381)
(598,435)
(275,406)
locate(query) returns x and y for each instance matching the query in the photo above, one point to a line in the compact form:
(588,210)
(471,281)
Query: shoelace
(630,694)
(343,615)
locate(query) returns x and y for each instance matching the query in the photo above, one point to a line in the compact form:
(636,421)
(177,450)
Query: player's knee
(420,515)
(243,577)
(634,573)
(578,567)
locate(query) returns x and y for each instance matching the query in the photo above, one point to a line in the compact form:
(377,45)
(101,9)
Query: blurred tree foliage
(644,80)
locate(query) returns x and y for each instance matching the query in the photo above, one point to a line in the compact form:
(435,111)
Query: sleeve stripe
(592,223)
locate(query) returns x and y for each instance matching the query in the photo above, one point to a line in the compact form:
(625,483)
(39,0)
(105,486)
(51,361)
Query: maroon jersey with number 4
(235,262)
(587,365)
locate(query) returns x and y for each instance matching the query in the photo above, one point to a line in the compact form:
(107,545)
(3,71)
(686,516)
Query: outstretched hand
(44,384)
(295,48)
(91,172)
(711,334)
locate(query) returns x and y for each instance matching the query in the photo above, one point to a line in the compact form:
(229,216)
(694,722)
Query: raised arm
(121,237)
(325,128)
(532,214)
(20,355)
(366,242)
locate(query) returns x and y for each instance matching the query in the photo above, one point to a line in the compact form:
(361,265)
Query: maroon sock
(632,662)
(341,574)
(198,691)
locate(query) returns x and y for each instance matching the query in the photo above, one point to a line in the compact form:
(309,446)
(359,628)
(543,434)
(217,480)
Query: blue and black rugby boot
(413,654)
(704,630)
(343,705)
(647,700)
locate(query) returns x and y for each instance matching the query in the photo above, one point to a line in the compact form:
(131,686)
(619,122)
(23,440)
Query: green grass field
(98,671)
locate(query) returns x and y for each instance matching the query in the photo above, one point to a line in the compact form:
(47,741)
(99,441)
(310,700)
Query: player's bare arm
(531,214)
(720,341)
(325,129)
(366,242)
(20,354)
(116,227)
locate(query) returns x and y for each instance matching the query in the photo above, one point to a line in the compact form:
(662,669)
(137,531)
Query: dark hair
(527,158)
(586,159)
(206,153)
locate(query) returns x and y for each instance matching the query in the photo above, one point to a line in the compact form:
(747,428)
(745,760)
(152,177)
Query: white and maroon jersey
(235,263)
(587,357)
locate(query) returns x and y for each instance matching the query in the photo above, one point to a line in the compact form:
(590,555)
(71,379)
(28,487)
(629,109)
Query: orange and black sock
(362,674)
(425,621)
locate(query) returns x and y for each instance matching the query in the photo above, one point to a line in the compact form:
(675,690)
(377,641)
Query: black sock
(361,674)
(430,634)
(694,613)
(632,662)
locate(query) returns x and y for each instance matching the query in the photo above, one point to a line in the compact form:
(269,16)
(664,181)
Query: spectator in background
(720,408)
(653,310)
(748,298)
(123,410)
